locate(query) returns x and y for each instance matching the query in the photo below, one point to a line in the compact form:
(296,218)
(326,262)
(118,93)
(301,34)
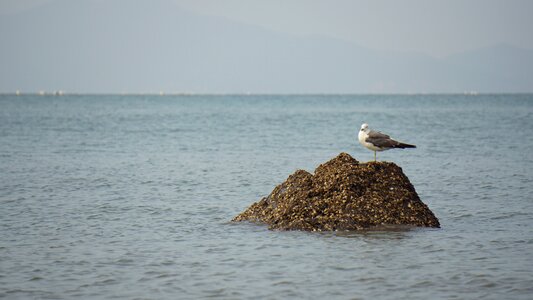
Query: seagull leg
(375,159)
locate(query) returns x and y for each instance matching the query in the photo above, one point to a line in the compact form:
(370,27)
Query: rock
(343,194)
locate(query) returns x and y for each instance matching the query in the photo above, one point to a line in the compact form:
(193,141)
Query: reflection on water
(392,232)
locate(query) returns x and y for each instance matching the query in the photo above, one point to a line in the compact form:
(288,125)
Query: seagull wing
(377,134)
(379,139)
(382,140)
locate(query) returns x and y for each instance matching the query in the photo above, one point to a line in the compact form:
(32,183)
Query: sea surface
(131,197)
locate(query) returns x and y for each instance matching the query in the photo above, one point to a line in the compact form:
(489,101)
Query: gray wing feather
(382,142)
(379,139)
(377,134)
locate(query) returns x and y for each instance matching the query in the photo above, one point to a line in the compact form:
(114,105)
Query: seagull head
(364,127)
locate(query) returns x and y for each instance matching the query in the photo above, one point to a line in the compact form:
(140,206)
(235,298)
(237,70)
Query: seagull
(377,141)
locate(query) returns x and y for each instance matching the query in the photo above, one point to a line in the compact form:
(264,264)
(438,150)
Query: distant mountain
(500,68)
(151,46)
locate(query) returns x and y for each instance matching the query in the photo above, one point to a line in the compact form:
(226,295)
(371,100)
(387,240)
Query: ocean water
(131,197)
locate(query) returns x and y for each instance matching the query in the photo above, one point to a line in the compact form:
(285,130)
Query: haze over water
(130,197)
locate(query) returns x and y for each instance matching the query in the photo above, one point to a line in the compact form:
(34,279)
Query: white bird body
(377,141)
(363,135)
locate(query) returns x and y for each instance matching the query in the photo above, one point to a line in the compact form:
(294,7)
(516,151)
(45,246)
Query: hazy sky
(432,27)
(271,46)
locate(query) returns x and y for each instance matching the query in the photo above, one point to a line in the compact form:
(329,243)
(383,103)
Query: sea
(132,197)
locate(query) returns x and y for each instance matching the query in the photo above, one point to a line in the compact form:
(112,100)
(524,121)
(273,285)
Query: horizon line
(162,94)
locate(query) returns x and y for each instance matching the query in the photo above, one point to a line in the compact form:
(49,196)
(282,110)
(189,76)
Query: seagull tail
(404,145)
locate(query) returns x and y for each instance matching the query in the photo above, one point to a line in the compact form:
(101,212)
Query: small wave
(283,282)
(36,278)
(105,282)
(125,262)
(510,215)
(423,284)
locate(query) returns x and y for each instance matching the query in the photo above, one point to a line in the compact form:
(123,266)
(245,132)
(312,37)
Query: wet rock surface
(342,194)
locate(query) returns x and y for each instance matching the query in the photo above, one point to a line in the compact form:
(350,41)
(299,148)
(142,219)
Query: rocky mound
(343,194)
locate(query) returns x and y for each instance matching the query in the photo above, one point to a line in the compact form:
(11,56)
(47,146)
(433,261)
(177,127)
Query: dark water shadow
(380,232)
(383,232)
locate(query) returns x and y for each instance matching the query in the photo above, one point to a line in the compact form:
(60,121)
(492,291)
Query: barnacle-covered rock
(342,194)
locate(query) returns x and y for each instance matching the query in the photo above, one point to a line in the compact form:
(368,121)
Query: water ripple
(131,197)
